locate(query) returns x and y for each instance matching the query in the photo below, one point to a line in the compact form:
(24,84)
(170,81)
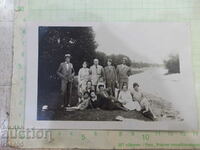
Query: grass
(91,115)
(160,107)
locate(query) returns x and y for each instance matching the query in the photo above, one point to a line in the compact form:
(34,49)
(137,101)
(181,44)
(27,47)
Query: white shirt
(67,66)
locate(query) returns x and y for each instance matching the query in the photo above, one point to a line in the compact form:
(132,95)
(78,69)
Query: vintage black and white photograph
(139,74)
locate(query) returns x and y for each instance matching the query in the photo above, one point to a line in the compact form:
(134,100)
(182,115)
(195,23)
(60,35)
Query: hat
(101,85)
(68,55)
(96,59)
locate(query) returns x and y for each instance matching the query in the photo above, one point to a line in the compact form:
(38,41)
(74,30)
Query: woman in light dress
(143,101)
(126,99)
(83,77)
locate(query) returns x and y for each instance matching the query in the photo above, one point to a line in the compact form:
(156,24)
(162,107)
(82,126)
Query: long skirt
(132,105)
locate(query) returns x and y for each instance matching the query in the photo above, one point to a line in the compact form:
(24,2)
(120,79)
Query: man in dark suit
(66,73)
(110,76)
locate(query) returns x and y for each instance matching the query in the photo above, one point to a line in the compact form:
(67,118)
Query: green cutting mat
(102,11)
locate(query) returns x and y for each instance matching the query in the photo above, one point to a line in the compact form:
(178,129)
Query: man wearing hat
(123,72)
(110,76)
(66,73)
(96,72)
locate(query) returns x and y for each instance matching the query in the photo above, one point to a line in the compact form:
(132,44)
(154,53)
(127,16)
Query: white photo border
(32,87)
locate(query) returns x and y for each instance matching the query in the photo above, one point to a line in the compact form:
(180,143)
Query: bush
(172,64)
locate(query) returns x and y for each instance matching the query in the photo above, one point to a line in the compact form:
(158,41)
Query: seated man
(106,101)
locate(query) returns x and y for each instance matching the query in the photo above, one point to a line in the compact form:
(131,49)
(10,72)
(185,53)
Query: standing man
(123,72)
(96,72)
(66,73)
(110,76)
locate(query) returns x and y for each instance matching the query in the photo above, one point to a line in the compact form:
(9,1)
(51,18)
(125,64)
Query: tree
(55,42)
(172,64)
(117,59)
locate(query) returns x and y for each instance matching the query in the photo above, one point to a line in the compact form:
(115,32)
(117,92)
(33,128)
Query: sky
(146,42)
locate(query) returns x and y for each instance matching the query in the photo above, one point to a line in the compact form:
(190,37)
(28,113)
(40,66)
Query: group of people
(101,88)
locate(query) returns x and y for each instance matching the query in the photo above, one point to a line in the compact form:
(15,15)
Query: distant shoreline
(139,70)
